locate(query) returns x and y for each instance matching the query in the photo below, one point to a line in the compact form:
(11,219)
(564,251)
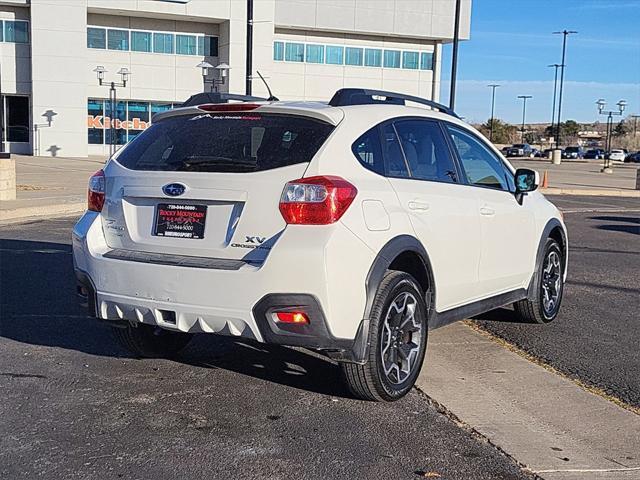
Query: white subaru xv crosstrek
(350,228)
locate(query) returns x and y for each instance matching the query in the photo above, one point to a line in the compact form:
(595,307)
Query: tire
(550,285)
(149,341)
(397,294)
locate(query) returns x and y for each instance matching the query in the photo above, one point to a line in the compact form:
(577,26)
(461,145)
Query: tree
(502,131)
(621,129)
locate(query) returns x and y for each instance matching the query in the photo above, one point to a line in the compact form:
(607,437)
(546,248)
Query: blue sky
(512,43)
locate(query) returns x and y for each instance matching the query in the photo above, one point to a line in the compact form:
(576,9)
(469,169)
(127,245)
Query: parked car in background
(617,155)
(594,154)
(520,150)
(573,152)
(633,157)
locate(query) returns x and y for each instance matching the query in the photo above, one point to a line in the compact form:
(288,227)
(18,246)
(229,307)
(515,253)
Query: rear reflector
(316,200)
(228,107)
(298,318)
(95,194)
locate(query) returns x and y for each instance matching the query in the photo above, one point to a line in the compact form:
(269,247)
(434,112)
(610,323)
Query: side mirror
(526,180)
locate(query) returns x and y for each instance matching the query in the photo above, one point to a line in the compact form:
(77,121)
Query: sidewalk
(552,426)
(49,186)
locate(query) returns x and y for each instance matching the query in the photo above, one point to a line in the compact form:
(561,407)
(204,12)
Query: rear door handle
(419,206)
(488,211)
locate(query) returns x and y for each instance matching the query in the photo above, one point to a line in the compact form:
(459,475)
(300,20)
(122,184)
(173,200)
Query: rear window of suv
(247,142)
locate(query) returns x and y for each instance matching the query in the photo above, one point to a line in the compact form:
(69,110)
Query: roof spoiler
(218,97)
(365,96)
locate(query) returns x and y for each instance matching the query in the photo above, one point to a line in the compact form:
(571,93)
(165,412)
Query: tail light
(297,318)
(316,200)
(95,195)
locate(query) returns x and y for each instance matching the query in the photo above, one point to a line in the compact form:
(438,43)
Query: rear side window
(426,151)
(233,143)
(368,151)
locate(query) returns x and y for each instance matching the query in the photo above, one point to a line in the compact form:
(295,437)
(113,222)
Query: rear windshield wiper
(224,163)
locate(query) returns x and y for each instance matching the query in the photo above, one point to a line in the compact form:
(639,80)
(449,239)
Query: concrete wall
(305,81)
(424,19)
(159,77)
(15,67)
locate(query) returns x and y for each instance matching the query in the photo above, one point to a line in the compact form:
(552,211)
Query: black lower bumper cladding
(314,335)
(86,291)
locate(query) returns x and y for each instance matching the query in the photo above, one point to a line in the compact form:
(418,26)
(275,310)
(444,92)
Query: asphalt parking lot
(74,404)
(595,337)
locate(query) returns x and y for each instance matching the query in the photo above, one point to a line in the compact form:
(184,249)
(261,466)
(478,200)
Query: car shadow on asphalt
(38,306)
(622,224)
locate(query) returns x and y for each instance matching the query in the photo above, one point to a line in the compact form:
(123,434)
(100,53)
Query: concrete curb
(17,214)
(596,192)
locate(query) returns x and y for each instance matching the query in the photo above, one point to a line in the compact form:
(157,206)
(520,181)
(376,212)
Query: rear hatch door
(208,184)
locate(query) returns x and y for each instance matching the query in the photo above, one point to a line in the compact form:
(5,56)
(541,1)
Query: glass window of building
(159,107)
(163,43)
(16,31)
(353,56)
(372,57)
(294,52)
(315,53)
(118,39)
(138,118)
(1,31)
(392,58)
(141,41)
(426,61)
(186,45)
(208,46)
(95,121)
(278,51)
(335,55)
(96,38)
(410,60)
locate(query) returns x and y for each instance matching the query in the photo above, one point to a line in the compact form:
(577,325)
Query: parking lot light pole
(555,91)
(493,87)
(454,57)
(524,111)
(563,65)
(601,111)
(124,76)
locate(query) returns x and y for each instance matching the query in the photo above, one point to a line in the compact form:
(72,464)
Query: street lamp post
(601,111)
(454,57)
(222,73)
(493,87)
(635,124)
(524,111)
(555,90)
(562,67)
(124,76)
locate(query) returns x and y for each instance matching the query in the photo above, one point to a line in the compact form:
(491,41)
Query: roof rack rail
(217,97)
(365,96)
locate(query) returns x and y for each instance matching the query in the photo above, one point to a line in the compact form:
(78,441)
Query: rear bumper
(236,302)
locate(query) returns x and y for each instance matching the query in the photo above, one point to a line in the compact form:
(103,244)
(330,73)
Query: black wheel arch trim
(552,224)
(386,256)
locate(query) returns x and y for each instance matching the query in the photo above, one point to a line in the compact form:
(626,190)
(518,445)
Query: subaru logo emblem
(174,189)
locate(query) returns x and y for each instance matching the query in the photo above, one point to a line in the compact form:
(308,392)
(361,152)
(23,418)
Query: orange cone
(545,180)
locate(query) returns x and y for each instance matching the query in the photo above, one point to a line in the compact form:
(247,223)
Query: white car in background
(617,155)
(350,227)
